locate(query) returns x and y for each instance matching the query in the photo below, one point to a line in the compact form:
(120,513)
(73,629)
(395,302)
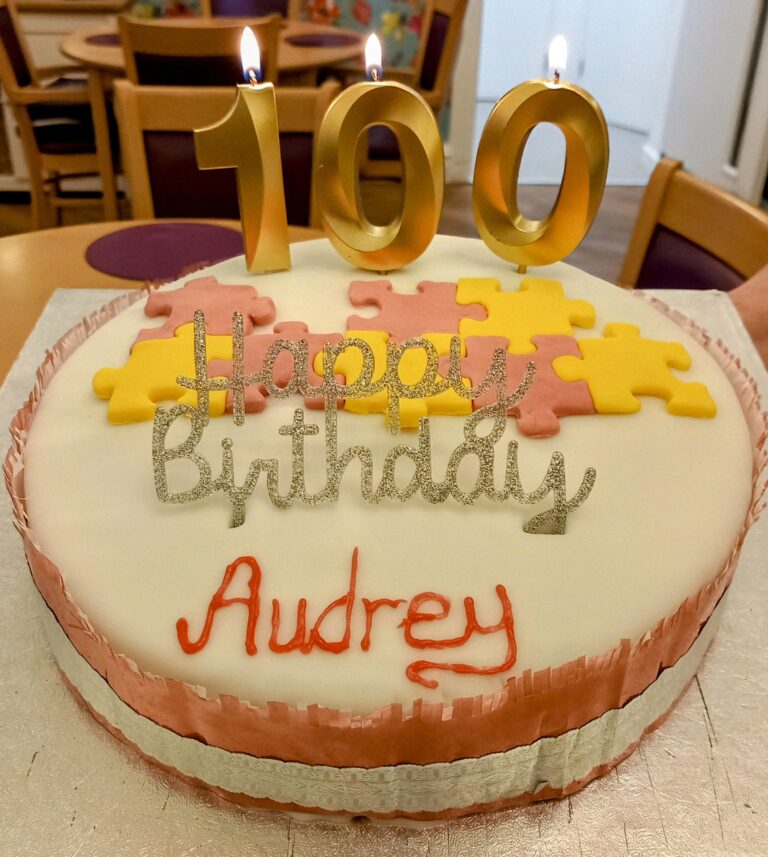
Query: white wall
(707,83)
(620,51)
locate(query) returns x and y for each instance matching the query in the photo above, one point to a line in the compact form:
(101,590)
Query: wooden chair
(156,126)
(250,8)
(62,123)
(430,75)
(690,234)
(194,51)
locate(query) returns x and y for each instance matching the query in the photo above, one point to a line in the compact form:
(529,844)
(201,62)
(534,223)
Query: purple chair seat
(674,262)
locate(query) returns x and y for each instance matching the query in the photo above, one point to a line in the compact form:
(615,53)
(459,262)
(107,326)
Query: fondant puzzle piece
(549,397)
(255,348)
(217,301)
(623,366)
(150,375)
(411,370)
(432,309)
(538,307)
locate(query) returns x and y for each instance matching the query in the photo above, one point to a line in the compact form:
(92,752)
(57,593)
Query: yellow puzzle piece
(623,366)
(150,375)
(411,371)
(539,307)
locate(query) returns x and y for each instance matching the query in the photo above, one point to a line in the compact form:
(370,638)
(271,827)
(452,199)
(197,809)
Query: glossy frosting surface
(670,498)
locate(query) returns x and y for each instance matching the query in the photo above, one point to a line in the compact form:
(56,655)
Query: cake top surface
(669,500)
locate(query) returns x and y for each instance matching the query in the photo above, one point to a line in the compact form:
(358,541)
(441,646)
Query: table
(292,60)
(698,786)
(34,264)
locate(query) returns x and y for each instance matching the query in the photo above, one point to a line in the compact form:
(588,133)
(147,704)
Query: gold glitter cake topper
(480,446)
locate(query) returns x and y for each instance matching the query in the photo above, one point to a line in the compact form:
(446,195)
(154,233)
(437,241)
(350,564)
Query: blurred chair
(156,126)
(690,234)
(62,124)
(430,75)
(250,8)
(194,51)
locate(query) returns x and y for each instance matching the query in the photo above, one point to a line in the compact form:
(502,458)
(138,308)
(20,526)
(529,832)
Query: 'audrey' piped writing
(306,639)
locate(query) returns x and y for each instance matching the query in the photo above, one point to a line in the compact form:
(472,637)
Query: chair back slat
(438,33)
(15,71)
(442,22)
(196,51)
(156,126)
(693,234)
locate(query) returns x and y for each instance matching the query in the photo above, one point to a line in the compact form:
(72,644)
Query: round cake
(286,604)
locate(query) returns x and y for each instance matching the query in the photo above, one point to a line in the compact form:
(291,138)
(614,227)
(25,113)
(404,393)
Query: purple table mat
(162,251)
(104,39)
(321,40)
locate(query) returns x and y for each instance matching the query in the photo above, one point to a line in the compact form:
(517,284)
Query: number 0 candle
(504,229)
(247,139)
(341,142)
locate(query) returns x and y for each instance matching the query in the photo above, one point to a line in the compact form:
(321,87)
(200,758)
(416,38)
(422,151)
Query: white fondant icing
(554,762)
(670,499)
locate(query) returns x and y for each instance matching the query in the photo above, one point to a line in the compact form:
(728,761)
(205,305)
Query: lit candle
(504,229)
(342,139)
(247,139)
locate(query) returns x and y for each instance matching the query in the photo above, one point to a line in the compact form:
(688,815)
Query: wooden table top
(35,264)
(291,58)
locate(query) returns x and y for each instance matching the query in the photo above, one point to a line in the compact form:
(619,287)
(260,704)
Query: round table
(34,264)
(293,60)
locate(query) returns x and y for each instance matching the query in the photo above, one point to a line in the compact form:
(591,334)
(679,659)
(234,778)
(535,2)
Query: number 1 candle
(247,139)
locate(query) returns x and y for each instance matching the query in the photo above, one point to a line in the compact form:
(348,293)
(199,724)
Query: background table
(291,59)
(34,264)
(698,786)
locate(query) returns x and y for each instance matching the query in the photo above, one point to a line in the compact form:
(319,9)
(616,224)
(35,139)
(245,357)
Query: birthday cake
(416,545)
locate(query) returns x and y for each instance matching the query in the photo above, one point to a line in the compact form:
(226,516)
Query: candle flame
(373,58)
(558,54)
(250,56)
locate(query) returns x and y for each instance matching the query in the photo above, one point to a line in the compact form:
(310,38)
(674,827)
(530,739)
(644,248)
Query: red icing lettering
(297,640)
(305,640)
(370,608)
(219,601)
(506,623)
(348,602)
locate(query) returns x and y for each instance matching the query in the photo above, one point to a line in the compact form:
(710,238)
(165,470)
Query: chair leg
(103,144)
(43,216)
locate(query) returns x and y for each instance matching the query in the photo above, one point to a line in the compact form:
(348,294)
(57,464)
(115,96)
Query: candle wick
(557,75)
(375,73)
(253,77)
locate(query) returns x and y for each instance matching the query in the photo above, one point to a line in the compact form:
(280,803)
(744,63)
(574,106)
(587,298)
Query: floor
(601,253)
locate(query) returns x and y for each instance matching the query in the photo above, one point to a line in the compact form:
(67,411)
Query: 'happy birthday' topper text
(479,446)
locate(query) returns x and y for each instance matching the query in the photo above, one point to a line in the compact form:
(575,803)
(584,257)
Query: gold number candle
(341,143)
(504,229)
(247,139)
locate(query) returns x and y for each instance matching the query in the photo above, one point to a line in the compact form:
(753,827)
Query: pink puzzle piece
(216,300)
(433,309)
(548,399)
(256,347)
